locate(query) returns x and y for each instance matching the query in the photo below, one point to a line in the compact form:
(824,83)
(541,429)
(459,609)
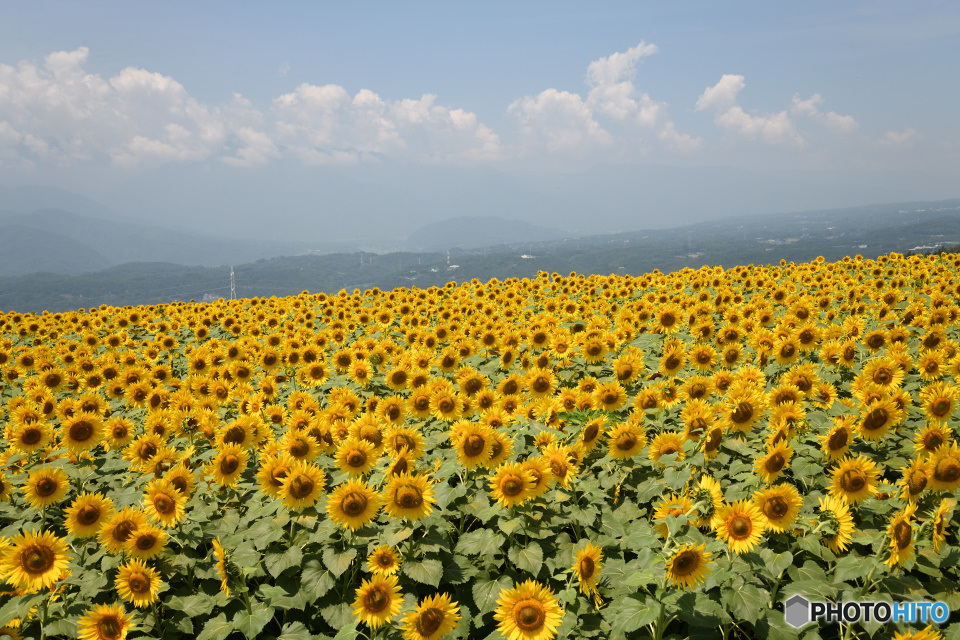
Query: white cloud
(899,139)
(774,128)
(810,108)
(560,121)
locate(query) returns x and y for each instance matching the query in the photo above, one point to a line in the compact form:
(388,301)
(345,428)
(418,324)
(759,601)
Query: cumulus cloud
(899,139)
(810,108)
(561,121)
(56,112)
(773,128)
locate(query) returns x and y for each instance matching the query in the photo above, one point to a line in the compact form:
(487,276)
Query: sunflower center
(88,515)
(932,440)
(147,450)
(837,440)
(852,480)
(591,432)
(377,600)
(109,628)
(146,541)
(672,362)
(876,419)
(164,504)
(713,439)
(902,534)
(446,405)
(941,407)
(742,413)
(686,563)
(530,615)
(385,561)
(408,497)
(788,350)
(356,459)
(234,435)
(138,583)
(299,448)
(668,449)
(301,487)
(37,559)
(123,530)
(775,463)
(474,444)
(119,432)
(512,486)
(229,464)
(628,440)
(587,566)
(947,470)
(400,467)
(775,508)
(429,621)
(649,402)
(354,504)
(917,482)
(668,319)
(882,376)
(47,487)
(541,384)
(740,527)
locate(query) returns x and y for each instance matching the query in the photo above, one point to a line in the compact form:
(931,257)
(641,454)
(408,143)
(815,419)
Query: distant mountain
(27,199)
(58,241)
(472,232)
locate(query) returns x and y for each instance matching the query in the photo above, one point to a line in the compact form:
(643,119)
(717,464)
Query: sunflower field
(666,455)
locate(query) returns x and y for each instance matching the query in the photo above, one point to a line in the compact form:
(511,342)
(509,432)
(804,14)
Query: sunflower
(222,571)
(81,432)
(710,442)
(780,505)
(146,542)
(85,515)
(673,359)
(836,442)
(399,438)
(770,466)
(353,504)
(930,365)
(46,486)
(541,474)
(34,561)
(835,514)
(939,401)
(739,524)
(472,443)
(666,443)
(587,566)
(444,405)
(689,565)
(119,526)
(929,439)
(434,617)
(272,471)
(854,479)
(877,418)
(540,383)
(228,465)
(562,467)
(5,488)
(698,417)
(916,478)
(378,600)
(592,431)
(302,486)
(104,622)
(383,560)
(707,498)
(610,396)
(355,456)
(900,531)
(164,503)
(744,406)
(884,372)
(529,611)
(945,468)
(626,440)
(408,496)
(670,505)
(137,583)
(941,520)
(703,357)
(511,484)
(30,437)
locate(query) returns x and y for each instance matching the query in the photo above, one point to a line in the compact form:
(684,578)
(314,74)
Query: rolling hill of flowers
(565,456)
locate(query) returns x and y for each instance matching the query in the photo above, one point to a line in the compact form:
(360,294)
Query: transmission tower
(233,285)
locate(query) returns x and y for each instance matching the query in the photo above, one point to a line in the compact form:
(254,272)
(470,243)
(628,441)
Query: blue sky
(98,94)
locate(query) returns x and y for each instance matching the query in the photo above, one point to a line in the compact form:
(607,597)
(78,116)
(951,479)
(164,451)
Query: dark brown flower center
(473,445)
(354,504)
(775,508)
(47,487)
(876,419)
(109,628)
(628,440)
(686,563)
(146,541)
(234,435)
(138,583)
(852,481)
(530,615)
(512,486)
(37,559)
(672,362)
(775,463)
(587,567)
(356,459)
(88,515)
(917,482)
(229,464)
(376,600)
(837,440)
(742,413)
(740,527)
(947,470)
(429,620)
(902,534)
(31,436)
(302,486)
(164,504)
(408,497)
(941,407)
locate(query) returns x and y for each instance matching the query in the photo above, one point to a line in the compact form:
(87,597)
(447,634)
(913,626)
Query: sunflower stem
(43,618)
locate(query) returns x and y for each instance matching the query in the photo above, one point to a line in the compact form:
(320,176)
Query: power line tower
(233,285)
